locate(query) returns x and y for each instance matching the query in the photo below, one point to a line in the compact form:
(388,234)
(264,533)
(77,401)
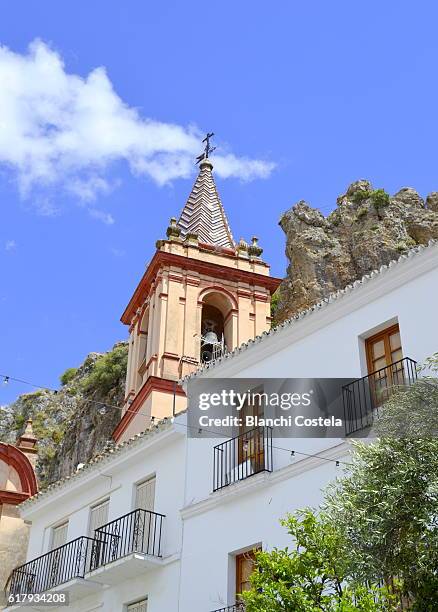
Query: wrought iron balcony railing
(52,569)
(364,396)
(136,532)
(239,607)
(242,456)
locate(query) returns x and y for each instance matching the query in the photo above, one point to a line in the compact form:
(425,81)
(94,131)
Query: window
(139,606)
(145,495)
(385,365)
(251,440)
(245,565)
(54,560)
(145,500)
(383,349)
(59,535)
(98,517)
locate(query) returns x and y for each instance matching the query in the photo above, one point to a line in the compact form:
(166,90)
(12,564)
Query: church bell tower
(202,294)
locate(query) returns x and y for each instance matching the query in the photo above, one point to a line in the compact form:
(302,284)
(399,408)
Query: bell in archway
(210,338)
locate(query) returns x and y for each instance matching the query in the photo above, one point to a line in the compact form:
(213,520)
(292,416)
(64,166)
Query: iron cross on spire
(207,149)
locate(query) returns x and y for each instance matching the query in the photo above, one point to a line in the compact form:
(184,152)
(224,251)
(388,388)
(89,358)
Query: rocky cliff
(368,228)
(76,422)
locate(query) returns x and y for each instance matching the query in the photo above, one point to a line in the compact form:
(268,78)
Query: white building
(149,526)
(394,307)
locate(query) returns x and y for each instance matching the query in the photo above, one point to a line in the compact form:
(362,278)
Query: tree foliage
(379,198)
(387,506)
(108,369)
(378,523)
(275,301)
(317,574)
(68,376)
(412,412)
(387,503)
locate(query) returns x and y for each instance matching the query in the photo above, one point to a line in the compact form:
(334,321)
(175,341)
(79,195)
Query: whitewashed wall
(207,529)
(164,458)
(327,343)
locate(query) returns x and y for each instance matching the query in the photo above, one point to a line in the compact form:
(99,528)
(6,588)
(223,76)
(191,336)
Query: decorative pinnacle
(254,250)
(173,231)
(28,432)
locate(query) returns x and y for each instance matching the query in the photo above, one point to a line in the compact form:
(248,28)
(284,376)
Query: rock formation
(70,428)
(367,229)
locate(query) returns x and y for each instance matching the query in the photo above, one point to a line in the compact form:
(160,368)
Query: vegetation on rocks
(71,428)
(379,198)
(107,369)
(68,376)
(275,298)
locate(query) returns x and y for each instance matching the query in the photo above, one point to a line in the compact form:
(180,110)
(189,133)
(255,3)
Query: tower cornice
(216,270)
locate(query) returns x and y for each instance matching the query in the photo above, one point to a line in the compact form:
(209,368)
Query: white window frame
(102,502)
(53,529)
(139,484)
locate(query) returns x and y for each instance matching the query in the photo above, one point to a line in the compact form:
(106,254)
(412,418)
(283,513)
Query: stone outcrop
(69,427)
(367,229)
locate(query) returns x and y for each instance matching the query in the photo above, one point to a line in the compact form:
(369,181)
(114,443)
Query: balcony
(241,457)
(363,397)
(126,546)
(62,565)
(239,607)
(122,548)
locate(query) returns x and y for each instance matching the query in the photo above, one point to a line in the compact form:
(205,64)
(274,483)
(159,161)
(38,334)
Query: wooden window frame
(251,447)
(238,559)
(381,335)
(390,374)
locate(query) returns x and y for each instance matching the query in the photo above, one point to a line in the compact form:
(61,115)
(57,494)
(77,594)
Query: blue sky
(304,99)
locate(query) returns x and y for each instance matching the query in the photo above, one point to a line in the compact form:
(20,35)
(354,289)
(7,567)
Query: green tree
(387,503)
(412,411)
(379,523)
(316,574)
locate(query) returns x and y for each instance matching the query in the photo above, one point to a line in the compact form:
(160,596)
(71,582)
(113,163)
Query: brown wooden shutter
(384,355)
(245,565)
(383,349)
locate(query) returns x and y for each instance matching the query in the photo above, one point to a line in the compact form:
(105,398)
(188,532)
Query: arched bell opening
(215,335)
(212,333)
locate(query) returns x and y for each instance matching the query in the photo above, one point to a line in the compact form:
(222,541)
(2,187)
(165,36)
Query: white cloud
(10,245)
(61,130)
(87,189)
(100,215)
(247,169)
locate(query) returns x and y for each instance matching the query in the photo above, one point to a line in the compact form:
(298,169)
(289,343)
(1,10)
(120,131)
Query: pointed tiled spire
(204,214)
